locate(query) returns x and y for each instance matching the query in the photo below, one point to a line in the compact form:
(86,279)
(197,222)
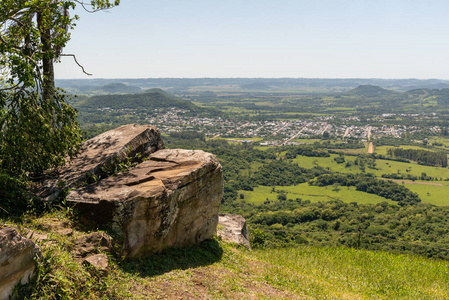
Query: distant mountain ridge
(120,88)
(110,88)
(294,84)
(255,86)
(151,99)
(370,91)
(374,95)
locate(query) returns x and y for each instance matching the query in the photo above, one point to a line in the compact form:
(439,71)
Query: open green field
(311,193)
(306,141)
(440,140)
(433,192)
(352,151)
(339,273)
(382,166)
(388,166)
(383,149)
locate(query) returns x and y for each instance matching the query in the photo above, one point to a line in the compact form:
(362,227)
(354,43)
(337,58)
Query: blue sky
(249,38)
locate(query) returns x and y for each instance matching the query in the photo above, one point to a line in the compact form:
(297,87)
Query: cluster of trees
(282,173)
(418,229)
(362,162)
(188,135)
(293,152)
(369,184)
(423,157)
(38,129)
(410,177)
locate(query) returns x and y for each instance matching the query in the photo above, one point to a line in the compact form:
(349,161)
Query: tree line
(423,157)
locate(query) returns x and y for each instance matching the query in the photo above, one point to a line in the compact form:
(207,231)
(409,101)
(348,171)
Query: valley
(366,148)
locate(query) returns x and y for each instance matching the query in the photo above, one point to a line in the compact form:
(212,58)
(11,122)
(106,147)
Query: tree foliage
(418,229)
(423,157)
(38,128)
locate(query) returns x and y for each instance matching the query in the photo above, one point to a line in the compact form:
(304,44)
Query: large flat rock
(17,264)
(100,153)
(171,199)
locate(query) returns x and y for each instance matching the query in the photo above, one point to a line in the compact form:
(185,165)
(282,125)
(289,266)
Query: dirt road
(370,147)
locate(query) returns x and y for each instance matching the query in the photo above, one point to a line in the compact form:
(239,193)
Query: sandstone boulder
(100,153)
(171,199)
(98,263)
(17,264)
(91,243)
(233,229)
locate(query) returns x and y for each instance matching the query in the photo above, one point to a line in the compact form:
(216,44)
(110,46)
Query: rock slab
(98,262)
(233,229)
(91,244)
(17,263)
(100,153)
(171,199)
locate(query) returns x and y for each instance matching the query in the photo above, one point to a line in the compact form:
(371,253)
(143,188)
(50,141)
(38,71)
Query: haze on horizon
(259,38)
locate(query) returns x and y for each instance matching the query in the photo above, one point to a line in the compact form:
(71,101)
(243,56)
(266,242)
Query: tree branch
(83,5)
(74,58)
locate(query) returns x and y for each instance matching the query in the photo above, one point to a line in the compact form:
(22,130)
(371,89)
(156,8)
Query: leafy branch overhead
(38,128)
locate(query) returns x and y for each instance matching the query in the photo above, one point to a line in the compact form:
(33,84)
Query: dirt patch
(212,282)
(370,148)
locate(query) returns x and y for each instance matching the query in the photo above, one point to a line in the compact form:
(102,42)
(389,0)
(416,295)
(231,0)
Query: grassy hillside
(432,192)
(337,273)
(216,270)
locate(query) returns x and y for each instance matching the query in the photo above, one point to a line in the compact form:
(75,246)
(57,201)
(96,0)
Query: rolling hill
(151,99)
(370,91)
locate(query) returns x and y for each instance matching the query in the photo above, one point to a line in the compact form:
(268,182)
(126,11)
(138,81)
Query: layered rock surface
(171,199)
(17,264)
(233,229)
(100,153)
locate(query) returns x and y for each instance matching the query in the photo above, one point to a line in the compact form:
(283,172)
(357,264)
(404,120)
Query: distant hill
(315,85)
(418,93)
(440,95)
(428,85)
(255,86)
(370,91)
(157,90)
(151,99)
(111,88)
(117,88)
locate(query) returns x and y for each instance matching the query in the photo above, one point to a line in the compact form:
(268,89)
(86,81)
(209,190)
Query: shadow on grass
(203,254)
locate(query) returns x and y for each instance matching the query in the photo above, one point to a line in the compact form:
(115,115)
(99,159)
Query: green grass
(353,151)
(312,193)
(217,270)
(342,273)
(437,194)
(439,139)
(383,149)
(307,141)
